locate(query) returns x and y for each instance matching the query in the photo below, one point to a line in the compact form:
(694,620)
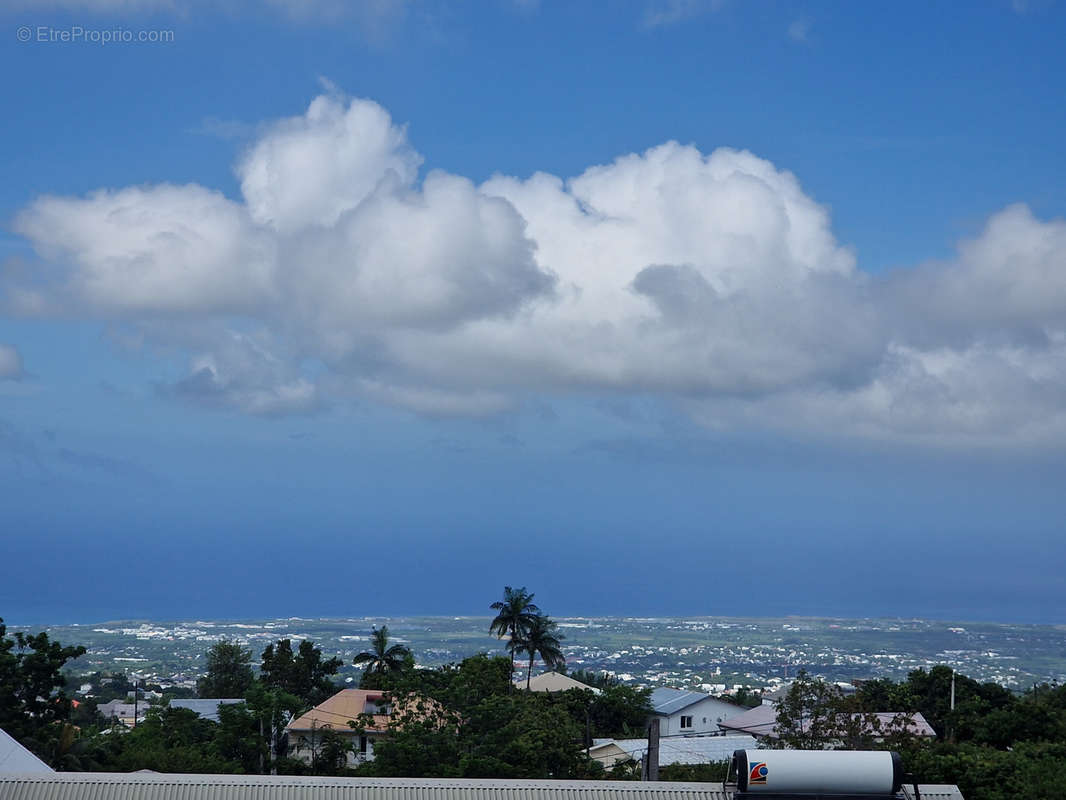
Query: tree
(382,658)
(229,671)
(171,740)
(31,683)
(814,715)
(540,639)
(304,674)
(514,614)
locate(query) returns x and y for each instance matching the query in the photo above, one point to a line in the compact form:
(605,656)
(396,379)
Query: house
(14,758)
(762,721)
(554,682)
(781,692)
(123,712)
(160,786)
(334,714)
(683,712)
(677,750)
(206,708)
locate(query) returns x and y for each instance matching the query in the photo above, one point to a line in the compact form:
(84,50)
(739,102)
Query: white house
(682,712)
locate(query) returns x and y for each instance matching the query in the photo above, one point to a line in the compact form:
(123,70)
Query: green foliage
(714,772)
(383,658)
(241,739)
(33,706)
(464,721)
(171,740)
(523,735)
(229,671)
(272,709)
(304,673)
(331,754)
(539,638)
(514,614)
(620,712)
(747,698)
(1030,771)
(814,715)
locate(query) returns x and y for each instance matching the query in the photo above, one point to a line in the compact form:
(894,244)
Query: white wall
(706,714)
(302,744)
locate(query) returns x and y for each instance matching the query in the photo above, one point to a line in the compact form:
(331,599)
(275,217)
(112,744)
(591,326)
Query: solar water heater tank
(861,773)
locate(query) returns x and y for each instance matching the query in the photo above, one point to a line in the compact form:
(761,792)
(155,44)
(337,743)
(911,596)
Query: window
(686,722)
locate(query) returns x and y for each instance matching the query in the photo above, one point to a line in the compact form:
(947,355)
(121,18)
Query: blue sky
(654,307)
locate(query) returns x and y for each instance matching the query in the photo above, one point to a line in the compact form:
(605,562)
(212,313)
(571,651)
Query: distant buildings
(121,711)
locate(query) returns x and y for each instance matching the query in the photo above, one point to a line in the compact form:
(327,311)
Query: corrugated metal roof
(935,791)
(140,786)
(145,786)
(665,700)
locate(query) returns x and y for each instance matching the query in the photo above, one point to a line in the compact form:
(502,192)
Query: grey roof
(689,749)
(160,786)
(16,758)
(206,708)
(120,708)
(762,721)
(144,786)
(666,701)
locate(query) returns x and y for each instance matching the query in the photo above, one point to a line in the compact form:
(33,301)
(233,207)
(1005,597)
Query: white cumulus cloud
(709,279)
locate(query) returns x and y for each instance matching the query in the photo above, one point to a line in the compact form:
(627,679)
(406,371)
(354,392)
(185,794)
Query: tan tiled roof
(553,682)
(346,705)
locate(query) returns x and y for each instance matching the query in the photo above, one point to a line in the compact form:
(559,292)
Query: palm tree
(541,639)
(381,658)
(514,616)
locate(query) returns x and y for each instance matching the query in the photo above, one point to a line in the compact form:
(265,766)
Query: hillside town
(375,708)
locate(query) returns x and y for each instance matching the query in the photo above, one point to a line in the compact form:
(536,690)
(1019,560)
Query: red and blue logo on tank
(758,773)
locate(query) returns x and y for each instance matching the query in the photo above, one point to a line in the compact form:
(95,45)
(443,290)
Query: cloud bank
(710,280)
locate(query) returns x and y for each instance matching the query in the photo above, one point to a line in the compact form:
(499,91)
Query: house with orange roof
(370,710)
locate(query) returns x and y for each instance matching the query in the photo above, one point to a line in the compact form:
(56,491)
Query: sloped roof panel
(665,700)
(16,758)
(111,786)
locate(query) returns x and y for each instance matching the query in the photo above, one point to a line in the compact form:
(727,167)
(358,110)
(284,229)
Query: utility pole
(652,759)
(951,735)
(135,694)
